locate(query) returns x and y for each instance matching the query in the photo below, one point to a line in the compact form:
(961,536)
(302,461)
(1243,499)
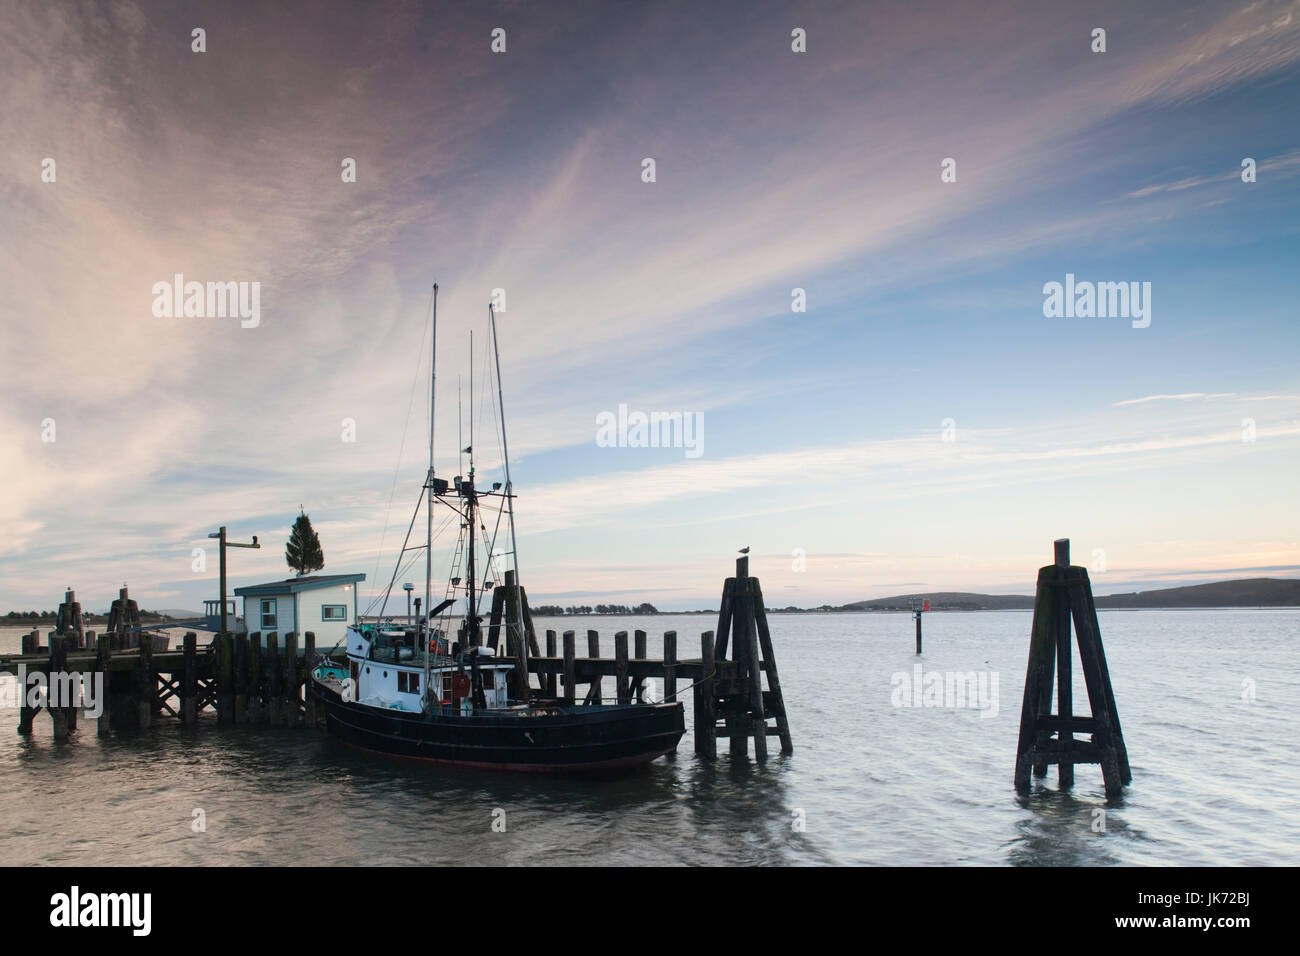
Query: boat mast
(471,607)
(428,550)
(510,505)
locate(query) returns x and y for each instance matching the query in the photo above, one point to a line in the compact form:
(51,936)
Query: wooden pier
(260,678)
(232,676)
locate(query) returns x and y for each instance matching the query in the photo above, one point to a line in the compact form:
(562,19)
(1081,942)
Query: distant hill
(181,615)
(947,601)
(1248,592)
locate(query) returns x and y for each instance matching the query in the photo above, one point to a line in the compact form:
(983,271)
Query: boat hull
(569,740)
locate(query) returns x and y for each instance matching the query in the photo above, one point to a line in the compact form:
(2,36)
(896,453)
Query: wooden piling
(256,679)
(1064,684)
(1065,594)
(104,668)
(775,694)
(548,682)
(292,711)
(706,743)
(146,684)
(738,728)
(595,691)
(241,678)
(225,678)
(308,665)
(494,617)
(272,681)
(516,635)
(757,711)
(621,690)
(635,691)
(190,679)
(1097,674)
(670,666)
(57,686)
(26,714)
(724,619)
(570,666)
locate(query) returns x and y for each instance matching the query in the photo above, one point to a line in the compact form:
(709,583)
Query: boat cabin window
(268,614)
(408,683)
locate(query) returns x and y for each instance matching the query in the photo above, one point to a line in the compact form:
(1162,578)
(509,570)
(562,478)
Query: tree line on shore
(555,610)
(17,617)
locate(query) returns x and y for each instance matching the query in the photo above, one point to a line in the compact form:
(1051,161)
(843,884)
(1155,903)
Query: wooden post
(757,714)
(516,635)
(738,728)
(309,665)
(1090,634)
(146,683)
(773,678)
(670,666)
(256,679)
(190,679)
(56,689)
(620,668)
(494,618)
(241,678)
(706,743)
(292,715)
(103,667)
(1037,699)
(225,677)
(548,683)
(638,654)
(529,630)
(30,646)
(595,691)
(724,619)
(272,681)
(570,666)
(1064,685)
(917,614)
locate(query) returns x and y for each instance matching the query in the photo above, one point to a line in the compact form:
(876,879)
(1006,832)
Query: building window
(268,614)
(334,612)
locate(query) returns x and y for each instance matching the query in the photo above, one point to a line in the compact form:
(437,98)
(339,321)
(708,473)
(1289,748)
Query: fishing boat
(412,692)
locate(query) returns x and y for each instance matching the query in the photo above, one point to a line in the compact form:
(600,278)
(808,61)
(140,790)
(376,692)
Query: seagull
(744,550)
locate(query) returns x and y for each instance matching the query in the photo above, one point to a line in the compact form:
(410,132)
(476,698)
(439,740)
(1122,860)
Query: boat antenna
(510,505)
(428,552)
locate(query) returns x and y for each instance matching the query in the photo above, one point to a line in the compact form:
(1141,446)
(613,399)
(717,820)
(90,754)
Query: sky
(921,424)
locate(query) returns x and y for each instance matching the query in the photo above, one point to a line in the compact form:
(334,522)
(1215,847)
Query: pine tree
(303,552)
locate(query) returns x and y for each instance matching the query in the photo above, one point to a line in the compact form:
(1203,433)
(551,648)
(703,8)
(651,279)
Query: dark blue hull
(564,739)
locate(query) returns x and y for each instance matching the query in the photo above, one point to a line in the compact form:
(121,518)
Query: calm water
(1215,780)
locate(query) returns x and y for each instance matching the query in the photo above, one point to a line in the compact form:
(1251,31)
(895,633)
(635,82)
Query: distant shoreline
(937,610)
